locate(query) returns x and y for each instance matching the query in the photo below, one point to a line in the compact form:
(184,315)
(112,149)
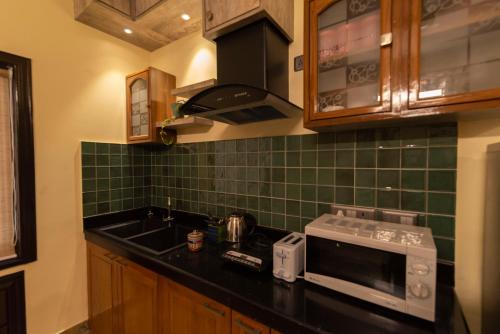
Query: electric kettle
(236,227)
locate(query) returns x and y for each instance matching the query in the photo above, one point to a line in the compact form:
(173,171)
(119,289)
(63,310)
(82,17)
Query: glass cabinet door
(455,51)
(139,109)
(349,62)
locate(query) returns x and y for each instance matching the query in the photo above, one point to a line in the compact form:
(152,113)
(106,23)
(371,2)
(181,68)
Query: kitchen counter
(299,307)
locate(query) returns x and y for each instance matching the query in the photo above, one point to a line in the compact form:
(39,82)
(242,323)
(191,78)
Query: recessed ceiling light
(128,31)
(185,17)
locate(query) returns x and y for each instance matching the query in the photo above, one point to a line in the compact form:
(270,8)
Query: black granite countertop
(299,307)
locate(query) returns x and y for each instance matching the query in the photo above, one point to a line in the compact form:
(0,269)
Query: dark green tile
(293,175)
(414,136)
(278,143)
(264,189)
(89,197)
(241,146)
(115,171)
(102,207)
(442,157)
(443,134)
(278,159)
(88,172)
(265,174)
(442,180)
(325,194)
(102,172)
(388,199)
(115,149)
(365,138)
(326,141)
(293,208)
(441,225)
(265,204)
(127,192)
(278,221)
(365,158)
(102,184)
(413,201)
(326,158)
(309,142)
(278,205)
(293,224)
(323,208)
(241,201)
(115,206)
(253,202)
(309,158)
(128,204)
(230,146)
(88,148)
(115,160)
(388,179)
(344,177)
(89,185)
(115,194)
(252,188)
(308,175)
(293,159)
(278,190)
(88,160)
(365,197)
(345,140)
(278,175)
(441,203)
(252,174)
(308,193)
(103,196)
(264,144)
(293,191)
(414,158)
(344,195)
(413,179)
(326,176)
(344,158)
(445,248)
(252,159)
(89,209)
(102,148)
(388,137)
(293,143)
(388,158)
(265,219)
(308,209)
(365,178)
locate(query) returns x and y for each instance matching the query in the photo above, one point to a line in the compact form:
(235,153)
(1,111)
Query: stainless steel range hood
(252,75)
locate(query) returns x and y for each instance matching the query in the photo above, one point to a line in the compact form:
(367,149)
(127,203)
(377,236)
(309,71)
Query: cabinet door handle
(213,310)
(210,16)
(246,327)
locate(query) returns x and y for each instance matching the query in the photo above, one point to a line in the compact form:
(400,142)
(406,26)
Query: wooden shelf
(191,90)
(187,122)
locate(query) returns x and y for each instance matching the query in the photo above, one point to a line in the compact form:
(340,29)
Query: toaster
(288,257)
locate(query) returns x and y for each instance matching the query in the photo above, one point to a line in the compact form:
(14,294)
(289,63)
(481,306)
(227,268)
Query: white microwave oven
(392,265)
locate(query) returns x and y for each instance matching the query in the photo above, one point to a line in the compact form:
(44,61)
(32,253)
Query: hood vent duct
(252,76)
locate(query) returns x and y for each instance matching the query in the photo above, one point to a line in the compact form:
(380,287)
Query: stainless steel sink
(150,236)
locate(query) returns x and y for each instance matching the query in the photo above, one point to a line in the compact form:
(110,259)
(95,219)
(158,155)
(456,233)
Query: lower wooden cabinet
(122,295)
(125,298)
(244,325)
(187,312)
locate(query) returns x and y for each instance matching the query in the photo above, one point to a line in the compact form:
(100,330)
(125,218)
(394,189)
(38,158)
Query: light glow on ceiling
(128,31)
(185,17)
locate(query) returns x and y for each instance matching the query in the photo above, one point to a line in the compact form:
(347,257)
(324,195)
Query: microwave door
(373,268)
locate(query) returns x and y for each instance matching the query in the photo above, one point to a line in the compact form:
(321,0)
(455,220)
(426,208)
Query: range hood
(252,76)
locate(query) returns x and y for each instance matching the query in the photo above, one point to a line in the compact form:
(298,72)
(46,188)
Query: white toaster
(288,257)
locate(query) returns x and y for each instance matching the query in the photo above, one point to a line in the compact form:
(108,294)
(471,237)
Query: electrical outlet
(298,63)
(354,212)
(400,217)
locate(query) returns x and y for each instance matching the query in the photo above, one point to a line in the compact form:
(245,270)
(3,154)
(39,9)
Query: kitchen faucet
(169,217)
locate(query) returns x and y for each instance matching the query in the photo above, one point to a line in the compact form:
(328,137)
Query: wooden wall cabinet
(375,60)
(122,295)
(148,101)
(223,16)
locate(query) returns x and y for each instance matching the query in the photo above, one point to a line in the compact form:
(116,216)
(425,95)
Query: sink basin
(132,228)
(162,240)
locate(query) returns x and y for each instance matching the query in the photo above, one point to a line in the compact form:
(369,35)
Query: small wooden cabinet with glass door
(148,101)
(371,60)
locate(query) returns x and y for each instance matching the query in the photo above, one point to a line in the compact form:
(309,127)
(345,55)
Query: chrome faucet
(169,217)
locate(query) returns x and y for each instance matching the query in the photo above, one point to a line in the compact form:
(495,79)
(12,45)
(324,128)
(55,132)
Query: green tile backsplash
(285,181)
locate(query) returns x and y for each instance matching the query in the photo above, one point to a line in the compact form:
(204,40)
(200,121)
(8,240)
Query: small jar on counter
(195,241)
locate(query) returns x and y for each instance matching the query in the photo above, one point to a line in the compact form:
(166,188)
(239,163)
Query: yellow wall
(474,136)
(78,93)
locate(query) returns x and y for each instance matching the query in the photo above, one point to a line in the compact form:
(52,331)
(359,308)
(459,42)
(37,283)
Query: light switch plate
(298,63)
(400,217)
(353,211)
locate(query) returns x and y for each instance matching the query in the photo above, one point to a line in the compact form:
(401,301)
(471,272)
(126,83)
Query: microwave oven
(388,264)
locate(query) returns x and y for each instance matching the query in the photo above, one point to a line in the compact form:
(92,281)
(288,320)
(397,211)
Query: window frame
(24,156)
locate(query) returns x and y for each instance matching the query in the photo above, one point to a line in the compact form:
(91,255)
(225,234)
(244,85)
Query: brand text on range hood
(252,72)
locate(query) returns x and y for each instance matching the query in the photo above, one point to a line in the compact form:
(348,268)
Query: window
(17,180)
